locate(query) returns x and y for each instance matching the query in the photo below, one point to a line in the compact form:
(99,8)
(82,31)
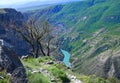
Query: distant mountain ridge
(32,4)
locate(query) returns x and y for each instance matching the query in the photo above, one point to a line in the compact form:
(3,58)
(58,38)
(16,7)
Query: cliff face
(10,62)
(7,16)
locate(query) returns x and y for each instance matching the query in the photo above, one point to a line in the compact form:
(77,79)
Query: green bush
(60,66)
(4,81)
(38,78)
(6,78)
(44,59)
(113,80)
(94,79)
(59,74)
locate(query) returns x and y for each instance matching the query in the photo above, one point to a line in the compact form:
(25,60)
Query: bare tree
(38,36)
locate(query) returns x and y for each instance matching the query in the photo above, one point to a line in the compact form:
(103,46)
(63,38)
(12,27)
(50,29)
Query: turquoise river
(66,59)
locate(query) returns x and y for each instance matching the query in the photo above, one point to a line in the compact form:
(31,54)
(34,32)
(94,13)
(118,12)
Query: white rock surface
(73,79)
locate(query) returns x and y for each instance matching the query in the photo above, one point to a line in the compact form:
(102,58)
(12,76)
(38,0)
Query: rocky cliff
(10,62)
(8,16)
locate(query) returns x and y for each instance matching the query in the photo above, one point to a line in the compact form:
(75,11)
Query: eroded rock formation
(10,62)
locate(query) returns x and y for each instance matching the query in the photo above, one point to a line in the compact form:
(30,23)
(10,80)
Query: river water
(66,59)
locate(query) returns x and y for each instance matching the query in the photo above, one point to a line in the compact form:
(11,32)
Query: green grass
(6,79)
(57,71)
(59,74)
(94,79)
(38,78)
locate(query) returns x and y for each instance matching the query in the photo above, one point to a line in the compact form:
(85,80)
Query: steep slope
(7,17)
(33,5)
(90,32)
(47,70)
(11,64)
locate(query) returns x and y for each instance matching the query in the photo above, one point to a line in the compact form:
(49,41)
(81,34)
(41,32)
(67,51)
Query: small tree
(38,36)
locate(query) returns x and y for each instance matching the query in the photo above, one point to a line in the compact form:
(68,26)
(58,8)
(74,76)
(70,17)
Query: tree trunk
(48,47)
(41,48)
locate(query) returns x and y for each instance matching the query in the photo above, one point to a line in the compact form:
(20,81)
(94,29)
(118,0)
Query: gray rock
(34,72)
(10,62)
(1,77)
(25,57)
(53,80)
(112,66)
(50,62)
(3,43)
(1,68)
(19,76)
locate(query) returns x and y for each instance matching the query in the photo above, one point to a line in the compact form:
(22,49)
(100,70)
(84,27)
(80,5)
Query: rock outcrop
(10,62)
(112,66)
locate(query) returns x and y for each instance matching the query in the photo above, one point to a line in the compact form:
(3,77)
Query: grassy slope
(57,72)
(44,72)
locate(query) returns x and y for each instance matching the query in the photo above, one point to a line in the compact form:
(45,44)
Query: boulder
(25,57)
(1,77)
(50,62)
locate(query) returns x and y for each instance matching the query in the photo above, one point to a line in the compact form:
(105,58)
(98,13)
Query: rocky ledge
(11,63)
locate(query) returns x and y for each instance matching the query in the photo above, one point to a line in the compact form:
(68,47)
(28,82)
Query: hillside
(47,70)
(33,5)
(90,32)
